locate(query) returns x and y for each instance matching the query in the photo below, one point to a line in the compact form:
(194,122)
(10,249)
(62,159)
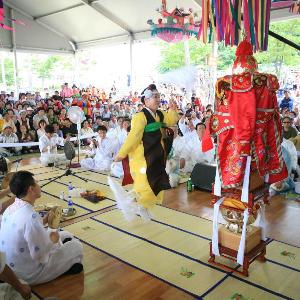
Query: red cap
(245,62)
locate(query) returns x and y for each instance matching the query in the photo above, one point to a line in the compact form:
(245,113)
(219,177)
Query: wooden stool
(258,252)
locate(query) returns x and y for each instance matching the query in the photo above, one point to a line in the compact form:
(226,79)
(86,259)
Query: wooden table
(258,252)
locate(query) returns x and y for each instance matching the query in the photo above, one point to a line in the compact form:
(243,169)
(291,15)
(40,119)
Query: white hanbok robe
(194,147)
(290,147)
(117,167)
(103,156)
(29,251)
(51,155)
(113,133)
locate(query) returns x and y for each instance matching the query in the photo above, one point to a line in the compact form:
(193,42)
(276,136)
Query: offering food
(93,196)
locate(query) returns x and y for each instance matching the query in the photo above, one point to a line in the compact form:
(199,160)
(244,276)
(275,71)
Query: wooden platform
(106,277)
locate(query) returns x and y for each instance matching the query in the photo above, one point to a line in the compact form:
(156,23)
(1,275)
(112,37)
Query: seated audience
(103,148)
(288,130)
(25,137)
(41,131)
(8,136)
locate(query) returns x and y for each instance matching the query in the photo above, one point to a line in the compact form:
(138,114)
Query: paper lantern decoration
(175,26)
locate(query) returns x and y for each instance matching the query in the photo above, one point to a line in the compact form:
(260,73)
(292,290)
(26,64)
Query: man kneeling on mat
(35,254)
(48,147)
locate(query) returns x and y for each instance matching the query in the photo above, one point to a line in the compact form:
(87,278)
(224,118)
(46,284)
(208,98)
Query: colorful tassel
(223,18)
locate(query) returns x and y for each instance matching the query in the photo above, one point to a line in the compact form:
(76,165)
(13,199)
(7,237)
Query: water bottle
(189,185)
(70,188)
(70,205)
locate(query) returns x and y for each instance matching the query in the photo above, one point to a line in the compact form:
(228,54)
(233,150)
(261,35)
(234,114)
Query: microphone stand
(67,173)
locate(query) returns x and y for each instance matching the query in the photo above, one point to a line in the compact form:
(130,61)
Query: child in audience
(103,148)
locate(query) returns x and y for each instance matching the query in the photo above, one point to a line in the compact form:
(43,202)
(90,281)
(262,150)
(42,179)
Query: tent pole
(13,37)
(131,61)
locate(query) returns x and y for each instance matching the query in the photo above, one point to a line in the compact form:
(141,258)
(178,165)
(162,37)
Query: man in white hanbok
(193,143)
(48,147)
(117,167)
(103,150)
(35,254)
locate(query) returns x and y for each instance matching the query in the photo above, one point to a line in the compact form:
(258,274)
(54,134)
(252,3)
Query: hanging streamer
(224,19)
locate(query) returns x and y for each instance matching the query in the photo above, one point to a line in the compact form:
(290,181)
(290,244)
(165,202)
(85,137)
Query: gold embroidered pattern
(215,123)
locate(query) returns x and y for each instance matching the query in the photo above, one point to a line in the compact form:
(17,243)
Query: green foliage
(44,68)
(226,56)
(173,55)
(278,54)
(9,71)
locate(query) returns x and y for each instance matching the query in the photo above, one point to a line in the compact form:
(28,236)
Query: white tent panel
(5,39)
(84,24)
(37,37)
(53,23)
(136,12)
(37,7)
(282,14)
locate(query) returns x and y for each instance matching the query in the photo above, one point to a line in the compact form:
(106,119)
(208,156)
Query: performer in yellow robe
(145,148)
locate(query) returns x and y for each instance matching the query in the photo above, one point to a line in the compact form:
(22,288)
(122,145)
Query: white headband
(148,94)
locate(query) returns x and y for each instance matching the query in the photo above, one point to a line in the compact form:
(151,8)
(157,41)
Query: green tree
(226,56)
(9,71)
(172,55)
(44,67)
(279,53)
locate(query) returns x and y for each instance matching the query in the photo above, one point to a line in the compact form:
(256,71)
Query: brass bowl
(235,219)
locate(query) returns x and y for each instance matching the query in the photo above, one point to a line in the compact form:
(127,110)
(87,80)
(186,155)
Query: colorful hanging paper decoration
(225,19)
(2,17)
(174,26)
(295,7)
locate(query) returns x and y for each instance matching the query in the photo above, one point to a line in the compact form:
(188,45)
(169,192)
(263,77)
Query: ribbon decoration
(241,251)
(2,17)
(223,20)
(215,236)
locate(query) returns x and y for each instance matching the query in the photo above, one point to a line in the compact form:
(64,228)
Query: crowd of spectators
(23,118)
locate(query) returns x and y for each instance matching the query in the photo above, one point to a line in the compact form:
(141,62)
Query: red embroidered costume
(246,123)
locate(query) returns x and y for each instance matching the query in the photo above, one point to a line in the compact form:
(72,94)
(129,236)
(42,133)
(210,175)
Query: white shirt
(12,138)
(196,121)
(290,147)
(45,142)
(86,131)
(194,146)
(24,239)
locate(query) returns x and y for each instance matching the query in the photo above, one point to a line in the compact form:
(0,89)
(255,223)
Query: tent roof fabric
(68,25)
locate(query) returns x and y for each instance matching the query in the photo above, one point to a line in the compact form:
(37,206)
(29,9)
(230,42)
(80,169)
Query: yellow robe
(133,147)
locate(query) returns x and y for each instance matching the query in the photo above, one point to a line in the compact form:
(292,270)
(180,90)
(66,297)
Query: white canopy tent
(69,25)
